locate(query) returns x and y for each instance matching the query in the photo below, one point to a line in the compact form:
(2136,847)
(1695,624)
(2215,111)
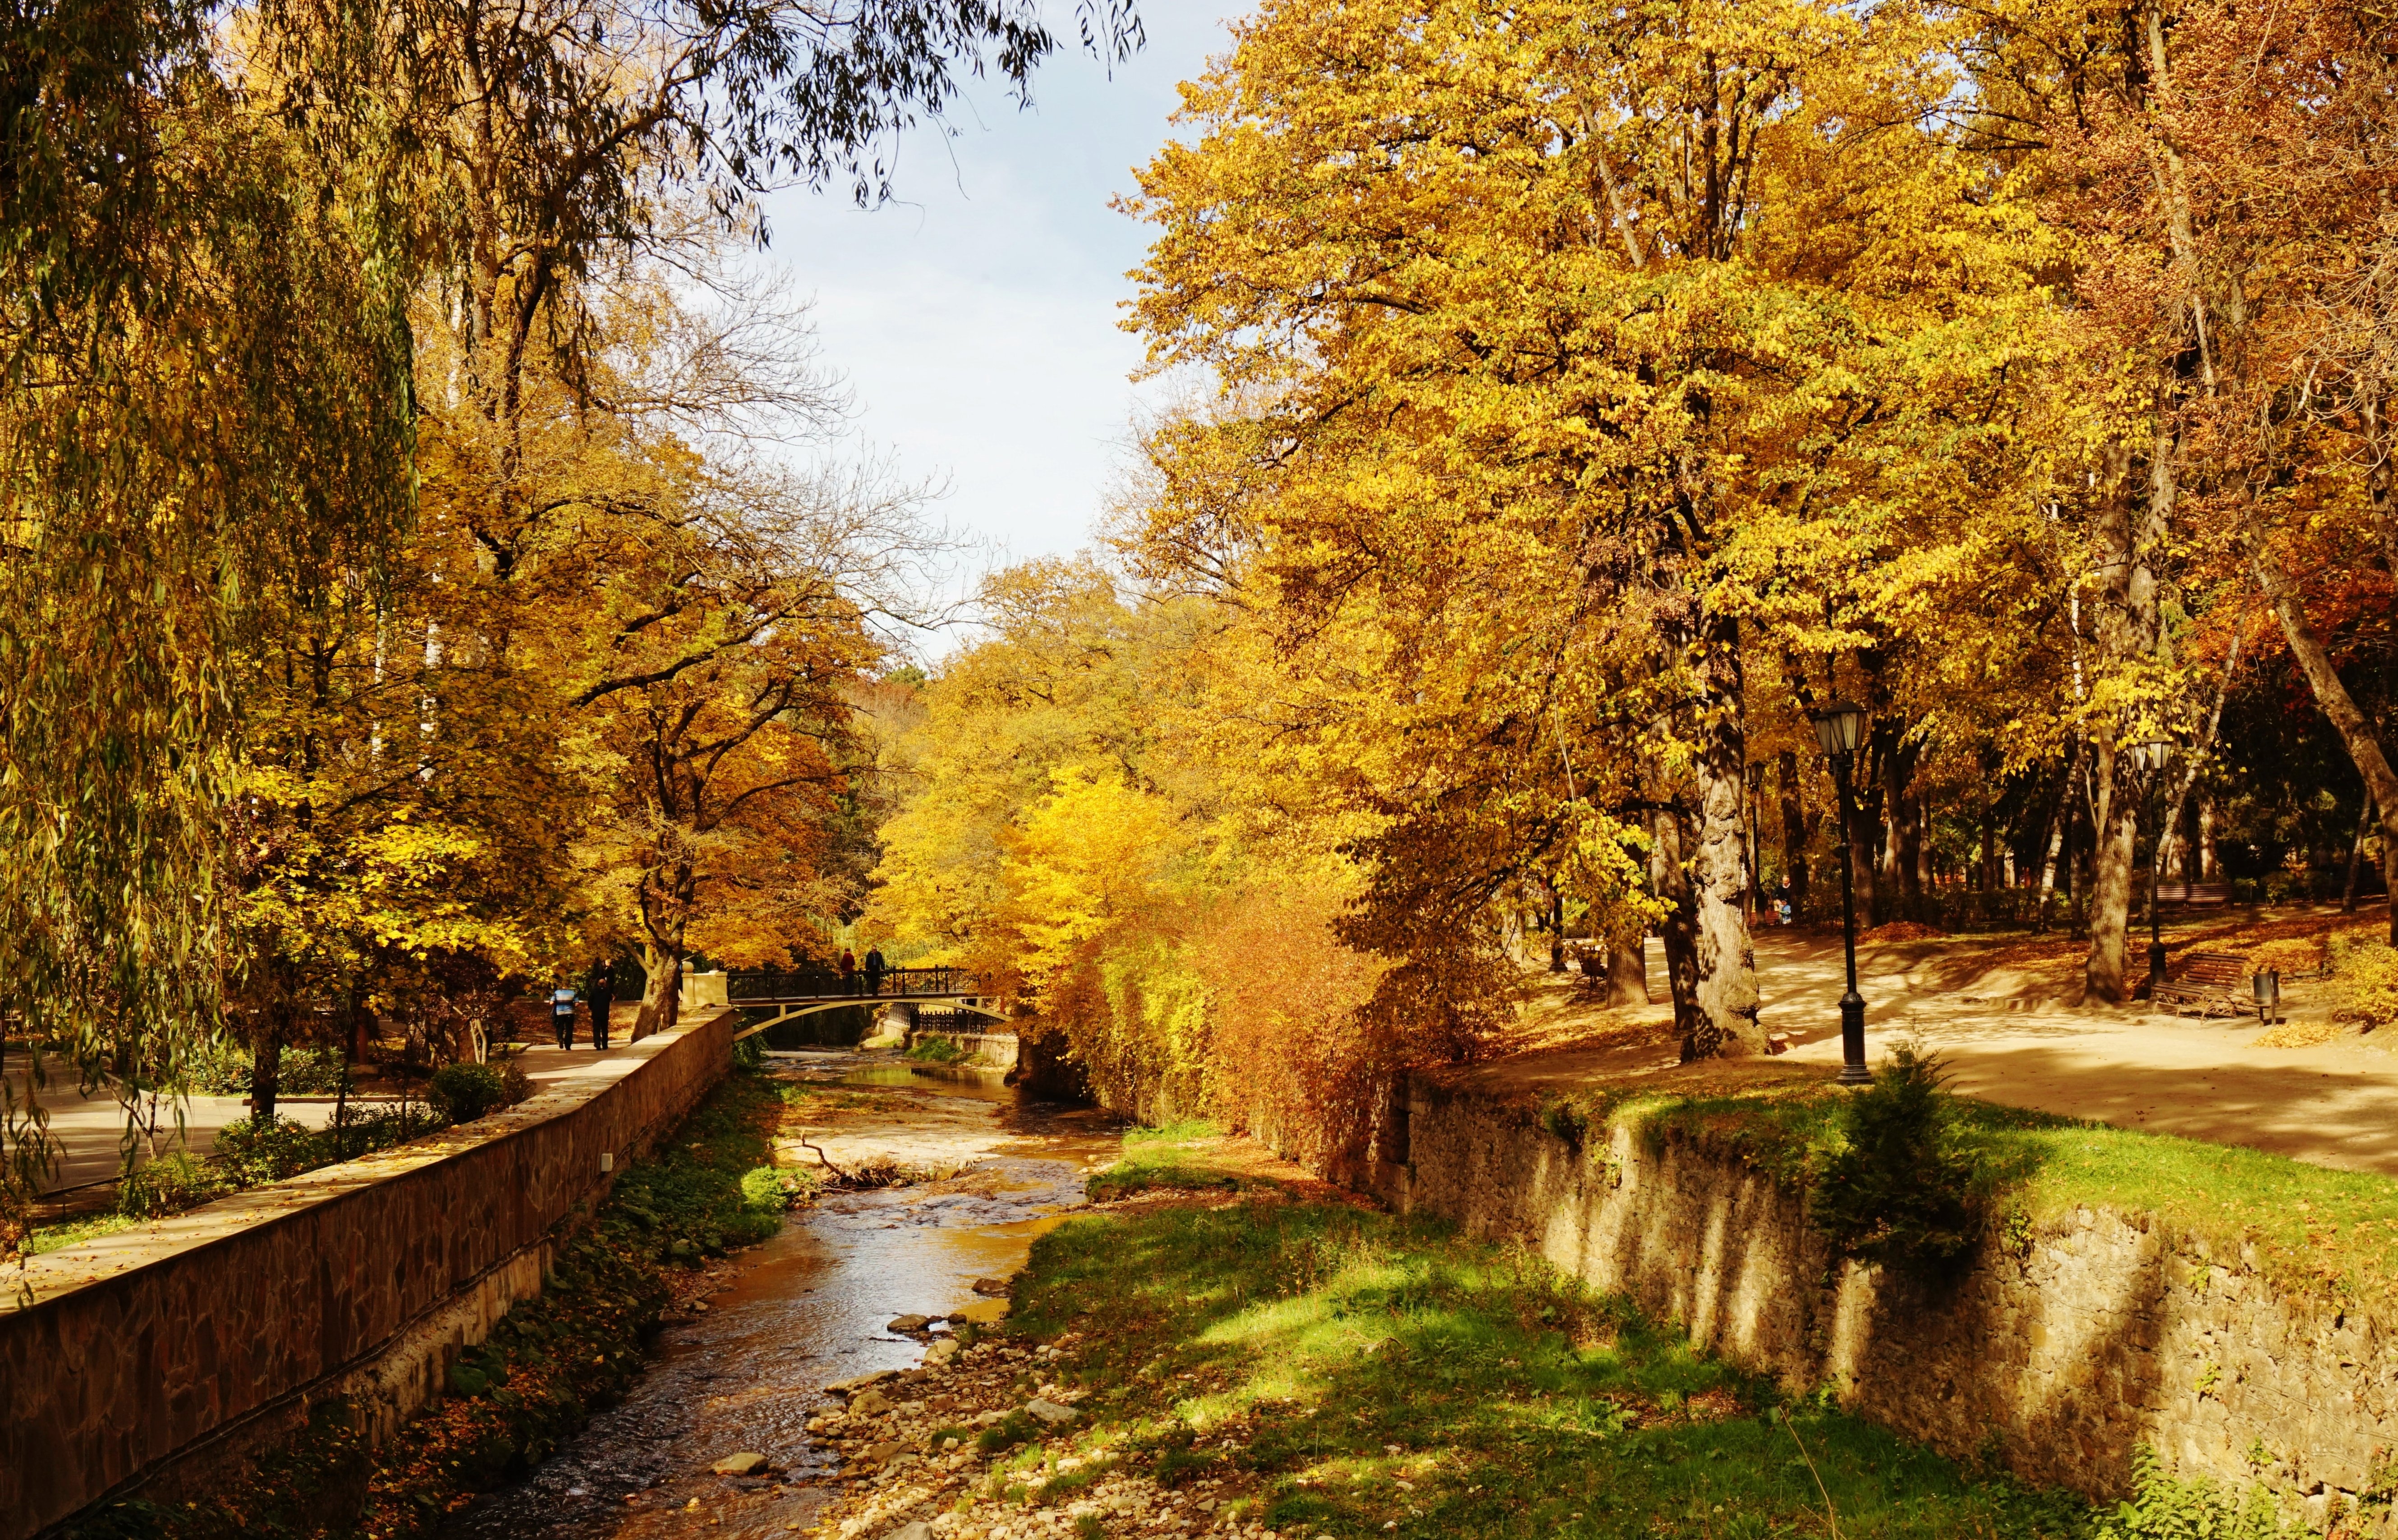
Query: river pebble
(908,1472)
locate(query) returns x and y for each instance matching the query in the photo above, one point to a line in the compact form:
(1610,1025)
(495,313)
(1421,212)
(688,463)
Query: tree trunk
(2111,891)
(2331,694)
(1794,830)
(1627,975)
(1557,931)
(2356,857)
(265,1064)
(1681,928)
(662,994)
(2210,855)
(1725,1024)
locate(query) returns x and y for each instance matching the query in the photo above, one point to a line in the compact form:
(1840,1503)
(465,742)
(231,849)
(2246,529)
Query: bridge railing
(827,983)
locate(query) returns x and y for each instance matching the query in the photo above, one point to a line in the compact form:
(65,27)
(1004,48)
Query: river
(745,1369)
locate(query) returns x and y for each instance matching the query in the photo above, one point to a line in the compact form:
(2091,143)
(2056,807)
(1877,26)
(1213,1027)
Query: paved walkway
(2001,1024)
(91,1129)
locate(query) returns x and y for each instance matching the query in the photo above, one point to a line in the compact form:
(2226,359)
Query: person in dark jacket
(848,971)
(875,969)
(599,988)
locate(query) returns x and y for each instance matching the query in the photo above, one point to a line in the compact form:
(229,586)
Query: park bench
(2210,983)
(2193,894)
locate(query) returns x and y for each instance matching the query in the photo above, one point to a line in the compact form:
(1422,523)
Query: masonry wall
(2058,1355)
(361,1281)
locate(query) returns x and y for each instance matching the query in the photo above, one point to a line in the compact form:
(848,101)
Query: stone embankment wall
(2058,1354)
(980,1050)
(194,1344)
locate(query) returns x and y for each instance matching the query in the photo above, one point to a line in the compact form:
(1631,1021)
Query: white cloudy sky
(976,317)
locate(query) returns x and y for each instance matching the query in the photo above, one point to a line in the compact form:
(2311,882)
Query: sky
(975,317)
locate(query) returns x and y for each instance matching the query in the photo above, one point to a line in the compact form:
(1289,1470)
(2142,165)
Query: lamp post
(1839,727)
(2152,755)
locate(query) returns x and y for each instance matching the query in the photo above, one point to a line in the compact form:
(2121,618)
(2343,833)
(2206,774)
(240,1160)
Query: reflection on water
(808,1307)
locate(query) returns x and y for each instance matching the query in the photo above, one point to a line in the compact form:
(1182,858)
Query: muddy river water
(809,1306)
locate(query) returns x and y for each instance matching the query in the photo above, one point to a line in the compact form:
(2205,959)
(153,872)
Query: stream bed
(745,1370)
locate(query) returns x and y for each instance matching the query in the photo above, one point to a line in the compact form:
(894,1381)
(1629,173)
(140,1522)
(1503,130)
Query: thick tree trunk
(1680,929)
(265,1064)
(2331,694)
(2110,890)
(1627,975)
(661,995)
(2132,530)
(1727,962)
(1794,830)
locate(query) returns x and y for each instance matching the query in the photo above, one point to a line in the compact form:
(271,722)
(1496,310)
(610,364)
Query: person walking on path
(875,969)
(561,1015)
(848,971)
(599,988)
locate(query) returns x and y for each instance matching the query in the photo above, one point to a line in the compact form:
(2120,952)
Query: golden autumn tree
(1567,370)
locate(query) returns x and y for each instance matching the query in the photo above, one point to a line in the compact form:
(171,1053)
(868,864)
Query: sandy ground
(2005,1016)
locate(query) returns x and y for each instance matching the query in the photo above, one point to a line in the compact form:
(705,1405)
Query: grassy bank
(2311,1229)
(547,1366)
(1350,1373)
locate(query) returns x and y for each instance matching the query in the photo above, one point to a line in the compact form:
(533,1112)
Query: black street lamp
(2152,755)
(1839,727)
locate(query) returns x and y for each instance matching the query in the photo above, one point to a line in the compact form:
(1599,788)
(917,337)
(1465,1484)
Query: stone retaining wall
(213,1332)
(2058,1354)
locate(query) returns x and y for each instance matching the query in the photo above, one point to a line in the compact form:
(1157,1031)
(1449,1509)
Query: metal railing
(895,984)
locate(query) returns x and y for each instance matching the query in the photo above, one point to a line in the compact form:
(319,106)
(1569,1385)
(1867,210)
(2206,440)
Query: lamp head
(2152,753)
(1839,727)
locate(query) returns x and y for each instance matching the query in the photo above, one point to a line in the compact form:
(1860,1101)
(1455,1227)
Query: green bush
(937,1050)
(2367,971)
(169,1185)
(223,1070)
(1897,1184)
(254,1151)
(462,1093)
(2163,1508)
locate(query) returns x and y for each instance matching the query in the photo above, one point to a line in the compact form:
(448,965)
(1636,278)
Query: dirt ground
(2007,1017)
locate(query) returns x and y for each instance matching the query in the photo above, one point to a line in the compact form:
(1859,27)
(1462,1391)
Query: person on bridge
(875,969)
(848,971)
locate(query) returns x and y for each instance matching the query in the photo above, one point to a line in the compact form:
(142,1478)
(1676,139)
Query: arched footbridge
(787,996)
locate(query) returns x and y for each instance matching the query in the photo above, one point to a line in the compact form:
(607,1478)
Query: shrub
(169,1185)
(516,1086)
(223,1070)
(1897,1185)
(937,1050)
(462,1093)
(255,1151)
(749,1054)
(2368,971)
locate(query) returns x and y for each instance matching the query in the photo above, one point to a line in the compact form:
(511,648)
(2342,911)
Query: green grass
(1171,1157)
(2312,1230)
(937,1050)
(1335,1353)
(74,1232)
